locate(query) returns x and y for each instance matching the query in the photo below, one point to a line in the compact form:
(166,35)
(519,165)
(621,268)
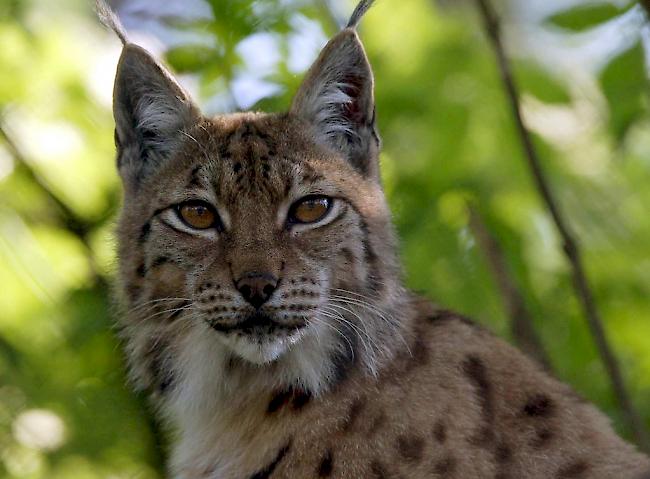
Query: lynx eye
(309,209)
(197,214)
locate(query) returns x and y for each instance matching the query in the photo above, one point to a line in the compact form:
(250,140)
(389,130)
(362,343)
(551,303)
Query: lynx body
(265,313)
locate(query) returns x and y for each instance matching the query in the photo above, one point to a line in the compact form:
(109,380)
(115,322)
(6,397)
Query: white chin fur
(260,352)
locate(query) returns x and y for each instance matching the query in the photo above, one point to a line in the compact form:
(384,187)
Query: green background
(449,142)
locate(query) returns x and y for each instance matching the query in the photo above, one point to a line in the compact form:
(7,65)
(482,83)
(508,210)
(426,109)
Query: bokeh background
(449,144)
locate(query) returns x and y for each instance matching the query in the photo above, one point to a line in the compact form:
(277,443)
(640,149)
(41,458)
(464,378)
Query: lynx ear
(337,98)
(150,109)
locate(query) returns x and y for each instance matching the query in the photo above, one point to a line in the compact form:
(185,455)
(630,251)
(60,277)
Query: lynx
(264,310)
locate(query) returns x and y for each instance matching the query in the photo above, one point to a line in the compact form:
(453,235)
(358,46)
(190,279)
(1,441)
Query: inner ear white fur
(150,108)
(336,97)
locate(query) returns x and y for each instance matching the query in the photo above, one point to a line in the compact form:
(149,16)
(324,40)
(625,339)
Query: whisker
(380,313)
(153,302)
(370,345)
(171,310)
(318,320)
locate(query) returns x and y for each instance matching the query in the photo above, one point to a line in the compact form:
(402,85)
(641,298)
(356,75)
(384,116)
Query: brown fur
(349,375)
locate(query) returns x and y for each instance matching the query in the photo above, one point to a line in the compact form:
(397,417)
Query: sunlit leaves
(625,85)
(586,16)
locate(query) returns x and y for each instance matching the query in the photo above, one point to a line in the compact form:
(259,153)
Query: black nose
(257,288)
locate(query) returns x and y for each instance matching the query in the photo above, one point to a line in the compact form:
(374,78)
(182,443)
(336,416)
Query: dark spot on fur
(378,470)
(419,353)
(144,232)
(296,397)
(166,383)
(445,467)
(300,399)
(503,453)
(440,432)
(539,405)
(159,261)
(476,372)
(355,410)
(343,360)
(162,374)
(348,255)
(484,437)
(133,292)
(542,438)
(410,447)
(326,464)
(373,279)
(194,180)
(572,470)
(279,400)
(237,167)
(141,271)
(377,423)
(231,364)
(268,470)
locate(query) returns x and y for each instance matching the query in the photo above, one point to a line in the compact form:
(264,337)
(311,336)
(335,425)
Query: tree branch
(570,244)
(646,4)
(521,323)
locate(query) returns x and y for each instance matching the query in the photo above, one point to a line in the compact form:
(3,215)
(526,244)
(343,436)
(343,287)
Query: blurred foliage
(589,15)
(65,408)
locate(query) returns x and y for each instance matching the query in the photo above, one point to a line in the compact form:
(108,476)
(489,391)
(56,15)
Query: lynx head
(254,239)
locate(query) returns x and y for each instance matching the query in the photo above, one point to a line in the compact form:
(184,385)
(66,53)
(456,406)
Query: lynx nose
(257,288)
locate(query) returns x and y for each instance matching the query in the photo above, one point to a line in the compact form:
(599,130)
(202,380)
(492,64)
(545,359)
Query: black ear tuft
(360,10)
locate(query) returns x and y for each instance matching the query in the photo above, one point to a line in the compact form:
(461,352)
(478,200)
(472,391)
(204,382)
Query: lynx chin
(263,306)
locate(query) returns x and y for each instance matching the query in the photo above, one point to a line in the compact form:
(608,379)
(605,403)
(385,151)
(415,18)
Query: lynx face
(253,219)
(264,234)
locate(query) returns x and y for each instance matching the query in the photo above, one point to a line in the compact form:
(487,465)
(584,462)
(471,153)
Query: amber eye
(309,209)
(198,215)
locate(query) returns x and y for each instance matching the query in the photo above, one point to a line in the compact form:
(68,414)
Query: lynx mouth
(259,338)
(257,324)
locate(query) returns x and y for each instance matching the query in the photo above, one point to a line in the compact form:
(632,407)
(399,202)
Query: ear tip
(134,56)
(348,35)
(131,49)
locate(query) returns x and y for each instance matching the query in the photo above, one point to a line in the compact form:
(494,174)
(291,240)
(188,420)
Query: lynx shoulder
(264,311)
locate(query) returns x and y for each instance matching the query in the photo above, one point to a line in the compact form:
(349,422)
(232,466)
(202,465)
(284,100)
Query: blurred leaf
(533,79)
(625,86)
(190,58)
(584,17)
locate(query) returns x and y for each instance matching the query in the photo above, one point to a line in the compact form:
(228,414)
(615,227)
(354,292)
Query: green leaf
(584,17)
(541,84)
(190,58)
(625,85)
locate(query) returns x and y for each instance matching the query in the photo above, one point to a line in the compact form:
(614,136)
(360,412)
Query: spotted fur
(340,372)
